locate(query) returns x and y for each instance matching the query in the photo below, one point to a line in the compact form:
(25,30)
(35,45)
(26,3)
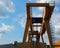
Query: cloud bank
(5,28)
(6,6)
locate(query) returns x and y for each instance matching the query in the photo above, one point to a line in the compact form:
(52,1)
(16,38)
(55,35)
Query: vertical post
(27,25)
(38,39)
(43,41)
(30,41)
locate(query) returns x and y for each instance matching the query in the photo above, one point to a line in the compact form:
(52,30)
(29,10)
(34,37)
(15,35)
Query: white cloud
(41,8)
(43,1)
(57,28)
(6,6)
(6,28)
(21,19)
(47,1)
(56,24)
(57,36)
(57,1)
(4,17)
(57,9)
(2,14)
(55,18)
(22,23)
(37,15)
(10,7)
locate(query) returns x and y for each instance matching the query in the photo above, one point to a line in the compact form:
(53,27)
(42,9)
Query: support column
(43,41)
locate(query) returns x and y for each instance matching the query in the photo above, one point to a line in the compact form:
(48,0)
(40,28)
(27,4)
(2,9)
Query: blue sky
(13,19)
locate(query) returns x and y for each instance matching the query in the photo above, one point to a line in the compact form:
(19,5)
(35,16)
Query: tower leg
(49,33)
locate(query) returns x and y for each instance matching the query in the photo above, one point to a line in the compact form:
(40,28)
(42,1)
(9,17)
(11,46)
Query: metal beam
(37,4)
(27,24)
(43,41)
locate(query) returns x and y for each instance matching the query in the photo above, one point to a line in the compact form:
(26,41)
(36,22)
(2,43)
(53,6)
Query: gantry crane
(44,24)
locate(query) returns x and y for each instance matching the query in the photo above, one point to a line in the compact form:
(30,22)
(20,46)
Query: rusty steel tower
(44,24)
